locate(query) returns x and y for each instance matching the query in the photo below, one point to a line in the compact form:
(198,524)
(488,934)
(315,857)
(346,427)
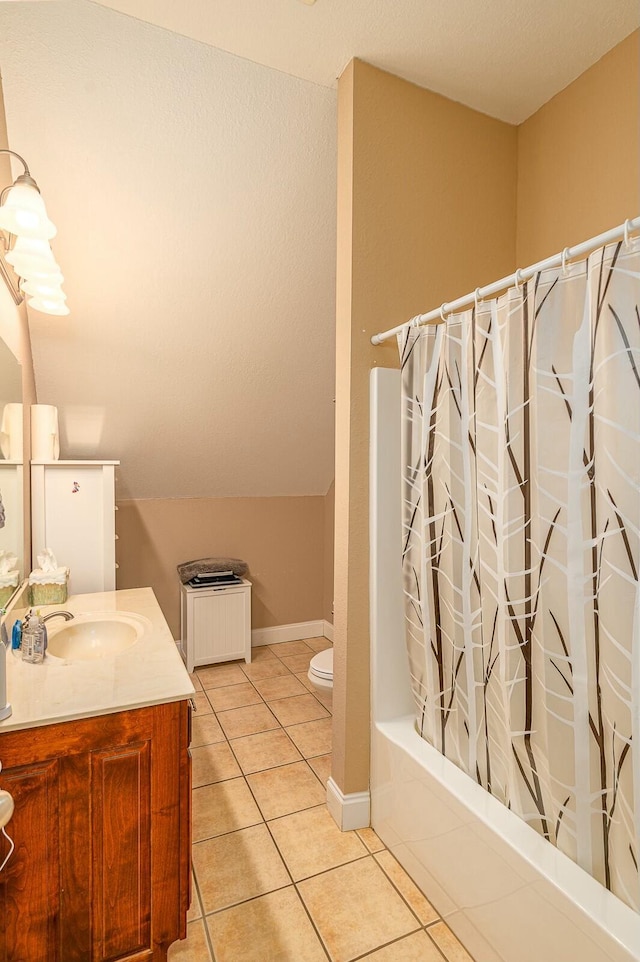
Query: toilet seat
(321,669)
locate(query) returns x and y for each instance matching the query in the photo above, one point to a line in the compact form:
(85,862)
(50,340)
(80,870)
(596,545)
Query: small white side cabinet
(73,514)
(215,624)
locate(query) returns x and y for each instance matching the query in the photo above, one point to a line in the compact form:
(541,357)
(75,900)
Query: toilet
(321,670)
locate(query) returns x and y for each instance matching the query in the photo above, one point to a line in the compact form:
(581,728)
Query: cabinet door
(29,885)
(219,625)
(121,840)
(101,868)
(73,514)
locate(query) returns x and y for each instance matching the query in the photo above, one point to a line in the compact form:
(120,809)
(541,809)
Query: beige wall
(328,544)
(419,177)
(280,538)
(433,201)
(578,158)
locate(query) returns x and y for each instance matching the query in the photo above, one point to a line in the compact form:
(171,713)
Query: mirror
(11,470)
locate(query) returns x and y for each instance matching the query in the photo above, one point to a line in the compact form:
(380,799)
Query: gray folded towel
(189,569)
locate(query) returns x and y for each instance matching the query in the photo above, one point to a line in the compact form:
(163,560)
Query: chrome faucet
(54,614)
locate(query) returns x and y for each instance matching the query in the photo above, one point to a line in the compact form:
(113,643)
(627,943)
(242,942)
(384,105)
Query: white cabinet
(215,624)
(73,514)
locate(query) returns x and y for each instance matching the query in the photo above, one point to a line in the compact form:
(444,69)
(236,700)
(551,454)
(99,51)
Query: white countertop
(150,672)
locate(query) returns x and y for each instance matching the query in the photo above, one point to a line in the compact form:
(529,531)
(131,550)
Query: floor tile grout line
(245,777)
(268,829)
(202,915)
(383,945)
(305,808)
(332,868)
(437,947)
(277,848)
(400,893)
(312,921)
(252,898)
(230,740)
(295,884)
(284,729)
(291,884)
(298,893)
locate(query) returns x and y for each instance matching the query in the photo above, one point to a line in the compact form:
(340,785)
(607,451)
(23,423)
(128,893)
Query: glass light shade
(47,288)
(24,214)
(47,305)
(30,256)
(53,277)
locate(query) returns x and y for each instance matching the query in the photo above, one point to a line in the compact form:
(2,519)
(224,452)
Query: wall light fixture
(27,231)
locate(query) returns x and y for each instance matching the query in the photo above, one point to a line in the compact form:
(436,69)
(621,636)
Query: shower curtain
(521,552)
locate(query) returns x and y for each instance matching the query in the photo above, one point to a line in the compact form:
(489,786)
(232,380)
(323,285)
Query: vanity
(96,757)
(95,749)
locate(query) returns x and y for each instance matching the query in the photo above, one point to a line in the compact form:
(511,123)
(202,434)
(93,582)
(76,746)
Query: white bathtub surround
(348,811)
(150,672)
(507,894)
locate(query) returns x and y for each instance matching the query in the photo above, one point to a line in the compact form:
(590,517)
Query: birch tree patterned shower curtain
(521,552)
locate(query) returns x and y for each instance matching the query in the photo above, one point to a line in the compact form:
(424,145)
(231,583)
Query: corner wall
(281,539)
(434,200)
(426,206)
(579,157)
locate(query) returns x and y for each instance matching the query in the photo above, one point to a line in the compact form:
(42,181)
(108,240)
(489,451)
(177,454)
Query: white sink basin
(97,634)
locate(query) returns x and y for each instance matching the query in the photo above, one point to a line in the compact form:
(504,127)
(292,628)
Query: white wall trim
(280,633)
(348,811)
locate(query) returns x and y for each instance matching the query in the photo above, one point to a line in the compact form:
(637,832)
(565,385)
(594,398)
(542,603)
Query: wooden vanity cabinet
(101,870)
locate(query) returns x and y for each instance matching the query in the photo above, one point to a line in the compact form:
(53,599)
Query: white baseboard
(348,811)
(328,631)
(281,633)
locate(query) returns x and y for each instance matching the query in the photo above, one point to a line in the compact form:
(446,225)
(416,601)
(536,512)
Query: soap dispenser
(33,640)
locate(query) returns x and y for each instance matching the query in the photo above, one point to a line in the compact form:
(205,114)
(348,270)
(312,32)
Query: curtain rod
(558,260)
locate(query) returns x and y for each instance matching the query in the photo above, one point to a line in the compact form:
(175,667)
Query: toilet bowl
(321,670)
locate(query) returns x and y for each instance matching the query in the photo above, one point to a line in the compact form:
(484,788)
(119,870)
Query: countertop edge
(71,717)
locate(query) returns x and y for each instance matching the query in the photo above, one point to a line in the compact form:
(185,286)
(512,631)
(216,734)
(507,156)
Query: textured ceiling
(503,57)
(194,194)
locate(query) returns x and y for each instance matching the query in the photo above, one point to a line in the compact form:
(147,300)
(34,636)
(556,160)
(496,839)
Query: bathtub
(508,895)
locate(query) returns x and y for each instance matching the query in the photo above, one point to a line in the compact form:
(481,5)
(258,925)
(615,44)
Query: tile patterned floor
(274,878)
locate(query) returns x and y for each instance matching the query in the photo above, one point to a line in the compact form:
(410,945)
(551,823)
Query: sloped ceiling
(503,57)
(194,195)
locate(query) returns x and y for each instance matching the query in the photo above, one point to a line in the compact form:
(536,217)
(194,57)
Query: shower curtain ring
(627,226)
(442,314)
(477,298)
(518,280)
(565,255)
